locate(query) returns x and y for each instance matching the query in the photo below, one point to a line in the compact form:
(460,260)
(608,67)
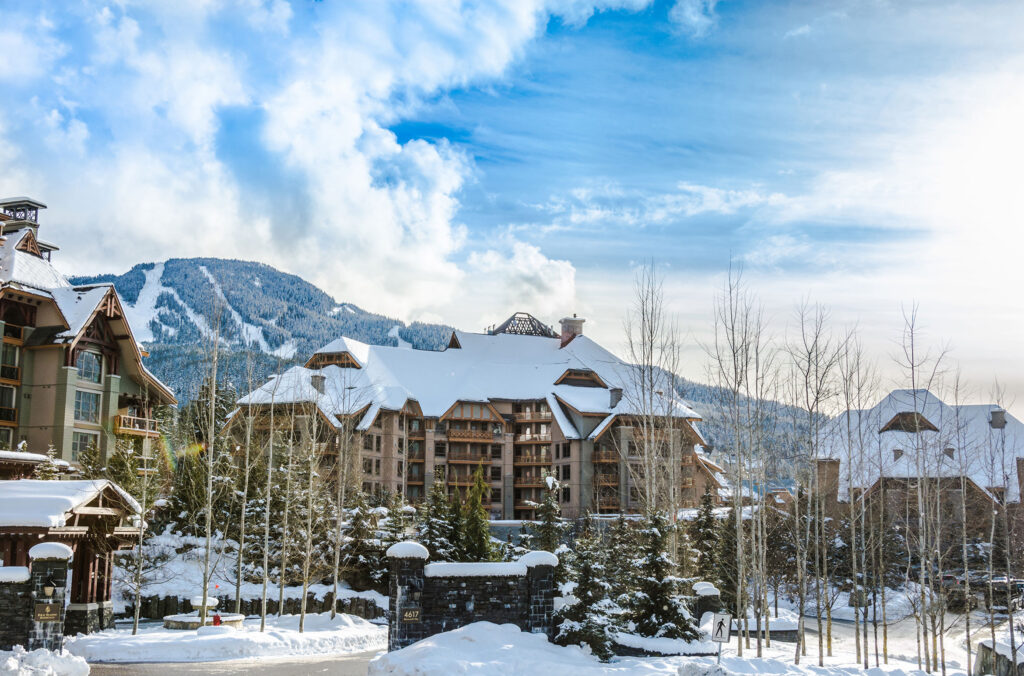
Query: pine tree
(588,621)
(123,466)
(549,528)
(457,532)
(704,539)
(435,525)
(725,555)
(655,609)
(362,552)
(47,470)
(621,566)
(90,462)
(477,531)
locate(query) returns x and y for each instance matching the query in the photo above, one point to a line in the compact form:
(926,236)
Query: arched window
(90,367)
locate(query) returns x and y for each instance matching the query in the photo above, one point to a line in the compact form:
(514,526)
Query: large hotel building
(71,372)
(521,400)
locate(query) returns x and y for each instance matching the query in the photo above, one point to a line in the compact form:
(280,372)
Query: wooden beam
(98,511)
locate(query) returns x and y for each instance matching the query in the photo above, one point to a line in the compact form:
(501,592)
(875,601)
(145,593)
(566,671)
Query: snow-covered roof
(77,305)
(23,268)
(963,443)
(485,368)
(47,504)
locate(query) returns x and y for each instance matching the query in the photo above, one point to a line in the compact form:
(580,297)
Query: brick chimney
(571,327)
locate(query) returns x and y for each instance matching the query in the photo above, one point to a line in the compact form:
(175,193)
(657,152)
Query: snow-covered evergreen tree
(589,620)
(655,608)
(457,526)
(622,561)
(477,532)
(362,548)
(434,525)
(704,539)
(47,470)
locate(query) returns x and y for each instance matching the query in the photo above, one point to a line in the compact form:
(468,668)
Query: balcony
(468,456)
(607,501)
(525,505)
(139,427)
(533,438)
(471,435)
(417,456)
(605,456)
(529,416)
(8,414)
(606,479)
(9,372)
(459,480)
(14,332)
(529,482)
(529,459)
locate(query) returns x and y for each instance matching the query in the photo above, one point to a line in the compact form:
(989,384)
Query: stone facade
(427,601)
(21,601)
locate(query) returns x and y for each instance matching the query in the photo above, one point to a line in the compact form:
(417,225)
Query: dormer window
(580,378)
(908,421)
(949,452)
(90,367)
(341,359)
(897,453)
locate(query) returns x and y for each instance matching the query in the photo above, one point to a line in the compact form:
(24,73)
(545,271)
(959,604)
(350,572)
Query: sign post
(721,627)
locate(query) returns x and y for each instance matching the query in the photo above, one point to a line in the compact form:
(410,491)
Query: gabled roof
(50,504)
(488,367)
(25,269)
(987,456)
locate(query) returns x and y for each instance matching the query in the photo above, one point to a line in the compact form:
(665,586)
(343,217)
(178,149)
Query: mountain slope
(259,314)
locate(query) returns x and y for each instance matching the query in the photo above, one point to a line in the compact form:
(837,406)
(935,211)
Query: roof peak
(523,324)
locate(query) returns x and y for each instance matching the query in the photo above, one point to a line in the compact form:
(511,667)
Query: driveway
(342,665)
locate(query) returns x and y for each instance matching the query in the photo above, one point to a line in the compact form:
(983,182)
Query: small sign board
(411,615)
(47,612)
(721,627)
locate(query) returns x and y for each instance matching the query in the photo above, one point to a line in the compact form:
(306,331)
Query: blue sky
(456,160)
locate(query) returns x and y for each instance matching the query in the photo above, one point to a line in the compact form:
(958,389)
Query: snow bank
(786,620)
(705,589)
(407,550)
(705,666)
(322,636)
(51,550)
(19,662)
(666,646)
(504,650)
(473,569)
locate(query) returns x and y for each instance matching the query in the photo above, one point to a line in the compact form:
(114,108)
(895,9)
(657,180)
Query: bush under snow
(20,662)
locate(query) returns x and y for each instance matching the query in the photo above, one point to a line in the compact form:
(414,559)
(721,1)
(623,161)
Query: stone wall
(427,599)
(30,617)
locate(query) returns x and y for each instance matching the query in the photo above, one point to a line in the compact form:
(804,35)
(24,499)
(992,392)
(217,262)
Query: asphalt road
(347,665)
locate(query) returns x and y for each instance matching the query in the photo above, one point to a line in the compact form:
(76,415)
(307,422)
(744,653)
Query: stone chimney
(318,380)
(997,417)
(571,327)
(615,396)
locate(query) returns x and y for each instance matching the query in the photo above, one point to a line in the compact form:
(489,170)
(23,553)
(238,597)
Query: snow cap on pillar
(538,558)
(407,550)
(51,550)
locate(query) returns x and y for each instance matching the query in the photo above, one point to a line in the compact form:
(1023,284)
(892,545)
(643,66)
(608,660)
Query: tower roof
(524,324)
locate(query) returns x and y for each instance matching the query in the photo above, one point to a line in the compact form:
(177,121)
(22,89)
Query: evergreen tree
(622,562)
(703,532)
(655,610)
(91,463)
(457,526)
(123,466)
(477,541)
(549,528)
(435,525)
(589,620)
(47,470)
(362,550)
(725,555)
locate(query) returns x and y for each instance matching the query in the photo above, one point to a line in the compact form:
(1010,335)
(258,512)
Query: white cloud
(695,17)
(805,29)
(520,277)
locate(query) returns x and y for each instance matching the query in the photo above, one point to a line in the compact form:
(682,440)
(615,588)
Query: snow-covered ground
(322,636)
(504,649)
(180,573)
(19,662)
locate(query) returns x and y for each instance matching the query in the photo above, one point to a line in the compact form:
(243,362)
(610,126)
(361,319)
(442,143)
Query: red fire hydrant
(216,619)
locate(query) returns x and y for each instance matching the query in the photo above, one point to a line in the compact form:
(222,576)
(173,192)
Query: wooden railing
(8,414)
(129,424)
(468,456)
(605,456)
(473,435)
(527,459)
(529,482)
(606,479)
(9,372)
(525,505)
(533,437)
(459,480)
(13,331)
(523,416)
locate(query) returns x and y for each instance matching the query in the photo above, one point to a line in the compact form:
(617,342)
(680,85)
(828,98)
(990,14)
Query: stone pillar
(111,394)
(64,410)
(49,573)
(15,607)
(407,623)
(540,577)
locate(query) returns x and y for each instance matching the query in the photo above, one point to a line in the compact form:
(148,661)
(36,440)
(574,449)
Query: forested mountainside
(266,319)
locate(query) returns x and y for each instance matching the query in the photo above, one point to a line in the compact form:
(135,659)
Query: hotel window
(7,408)
(376,467)
(6,437)
(367,466)
(80,442)
(495,495)
(90,368)
(87,406)
(440,448)
(495,474)
(368,443)
(496,452)
(566,472)
(565,494)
